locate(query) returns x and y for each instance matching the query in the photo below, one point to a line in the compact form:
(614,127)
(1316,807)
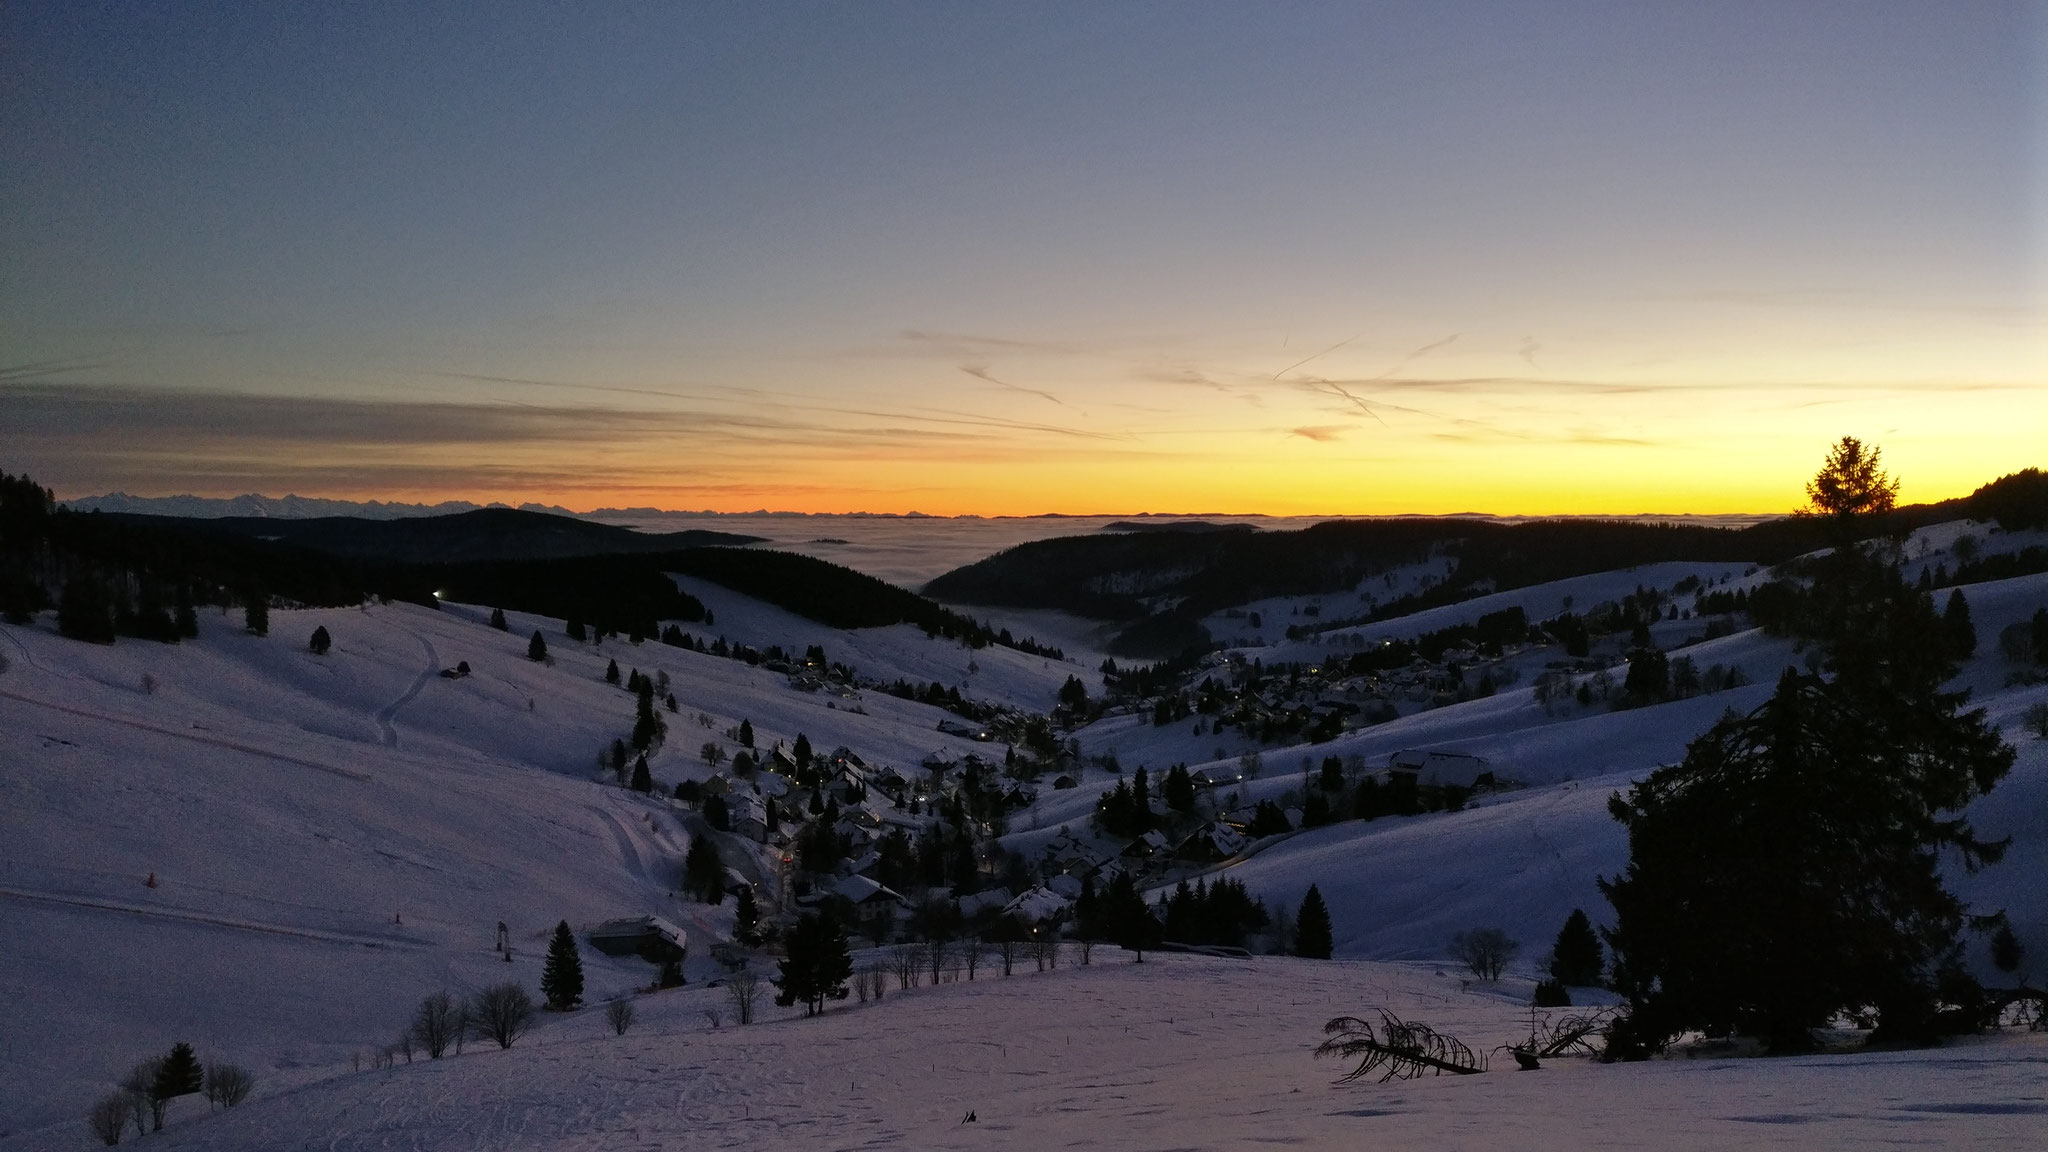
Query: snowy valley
(274,854)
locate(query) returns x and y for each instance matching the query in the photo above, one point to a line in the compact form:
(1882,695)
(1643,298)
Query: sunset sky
(1017,258)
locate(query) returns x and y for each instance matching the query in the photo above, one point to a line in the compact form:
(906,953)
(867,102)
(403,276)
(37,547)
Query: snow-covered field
(331,838)
(1177,1053)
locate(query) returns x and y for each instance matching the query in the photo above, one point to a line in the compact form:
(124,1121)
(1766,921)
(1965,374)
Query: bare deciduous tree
(744,990)
(936,952)
(502,1013)
(140,1088)
(433,1024)
(403,1046)
(619,1014)
(1484,951)
(228,1084)
(904,959)
(1087,950)
(108,1117)
(972,952)
(1008,949)
(872,981)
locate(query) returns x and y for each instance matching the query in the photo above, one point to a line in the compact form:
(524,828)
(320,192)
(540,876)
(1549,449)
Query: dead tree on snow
(1570,1035)
(1405,1050)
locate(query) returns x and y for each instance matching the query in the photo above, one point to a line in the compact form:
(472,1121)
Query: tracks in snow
(240,925)
(389,712)
(214,741)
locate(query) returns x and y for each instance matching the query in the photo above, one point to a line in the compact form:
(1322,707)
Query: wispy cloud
(954,345)
(1318,356)
(1321,433)
(981,372)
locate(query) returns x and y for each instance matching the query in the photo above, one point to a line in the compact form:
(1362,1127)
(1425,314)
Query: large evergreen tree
(1962,634)
(1088,911)
(1788,869)
(1127,920)
(1576,959)
(561,976)
(1312,927)
(643,780)
(320,642)
(1178,789)
(746,916)
(536,648)
(704,870)
(817,966)
(498,620)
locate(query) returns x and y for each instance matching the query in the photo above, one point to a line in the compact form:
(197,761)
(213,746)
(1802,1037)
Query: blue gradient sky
(1020,258)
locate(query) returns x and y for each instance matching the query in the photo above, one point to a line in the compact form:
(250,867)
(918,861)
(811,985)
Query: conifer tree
(1312,927)
(746,915)
(561,977)
(1962,634)
(746,733)
(536,648)
(1088,911)
(643,781)
(498,620)
(575,630)
(320,642)
(1178,789)
(802,753)
(1752,901)
(186,618)
(1129,920)
(256,612)
(1576,958)
(179,1074)
(2006,952)
(817,966)
(704,869)
(611,672)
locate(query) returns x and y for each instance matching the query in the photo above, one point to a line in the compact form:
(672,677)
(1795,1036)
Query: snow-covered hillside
(331,837)
(1399,888)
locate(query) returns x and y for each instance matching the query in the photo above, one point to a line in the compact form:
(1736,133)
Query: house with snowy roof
(1216,841)
(1038,905)
(1440,768)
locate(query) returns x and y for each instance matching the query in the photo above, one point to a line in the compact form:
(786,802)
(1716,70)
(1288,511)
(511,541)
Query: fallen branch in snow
(1405,1050)
(2020,1007)
(1571,1035)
